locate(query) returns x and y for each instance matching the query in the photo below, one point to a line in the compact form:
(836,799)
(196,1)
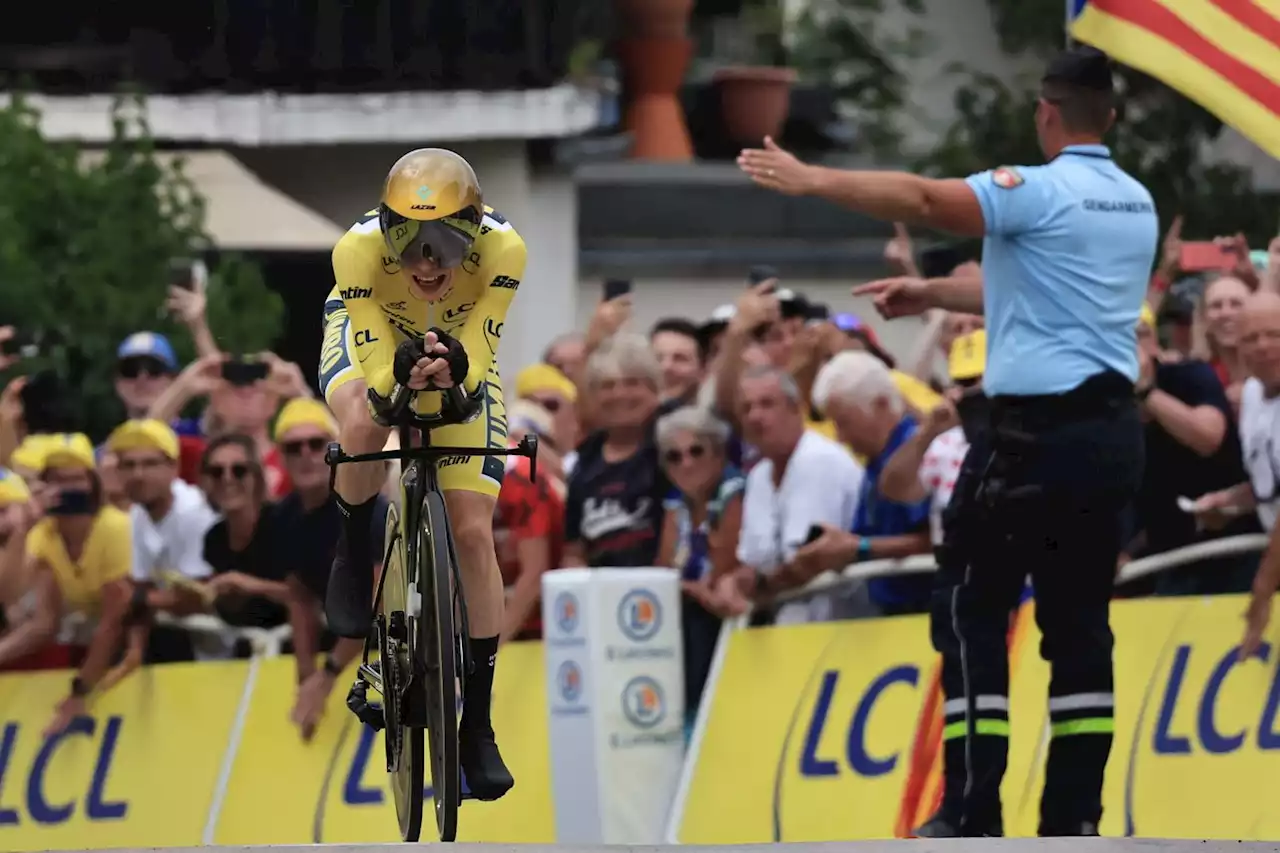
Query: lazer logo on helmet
(356,292)
(422,207)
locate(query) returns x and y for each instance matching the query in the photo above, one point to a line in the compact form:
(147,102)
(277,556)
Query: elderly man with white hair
(802,480)
(857,392)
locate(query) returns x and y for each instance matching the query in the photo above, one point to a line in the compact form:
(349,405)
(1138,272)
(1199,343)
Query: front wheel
(404,742)
(437,647)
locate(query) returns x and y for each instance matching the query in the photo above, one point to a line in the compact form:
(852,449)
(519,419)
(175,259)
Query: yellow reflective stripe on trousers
(982,727)
(1086,726)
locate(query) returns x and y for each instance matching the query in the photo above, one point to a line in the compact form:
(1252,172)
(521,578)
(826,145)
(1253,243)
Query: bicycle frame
(420,477)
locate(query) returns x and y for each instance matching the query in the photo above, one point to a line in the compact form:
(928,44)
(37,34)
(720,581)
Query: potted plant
(755,96)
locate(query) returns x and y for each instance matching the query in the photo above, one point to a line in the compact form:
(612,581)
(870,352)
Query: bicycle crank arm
(370,675)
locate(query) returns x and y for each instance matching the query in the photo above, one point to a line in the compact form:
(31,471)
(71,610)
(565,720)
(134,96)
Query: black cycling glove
(459,364)
(410,352)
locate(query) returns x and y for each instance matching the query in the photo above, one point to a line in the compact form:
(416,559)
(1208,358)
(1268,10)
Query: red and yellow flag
(1222,54)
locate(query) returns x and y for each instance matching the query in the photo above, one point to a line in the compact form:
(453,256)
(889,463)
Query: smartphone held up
(243,371)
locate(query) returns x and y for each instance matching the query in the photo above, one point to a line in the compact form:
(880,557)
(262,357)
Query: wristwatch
(78,687)
(332,666)
(1141,394)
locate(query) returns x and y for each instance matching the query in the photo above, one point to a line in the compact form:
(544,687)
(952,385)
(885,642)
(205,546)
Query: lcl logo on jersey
(492,334)
(452,314)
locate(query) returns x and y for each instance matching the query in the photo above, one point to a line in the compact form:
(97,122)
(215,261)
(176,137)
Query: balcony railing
(285,45)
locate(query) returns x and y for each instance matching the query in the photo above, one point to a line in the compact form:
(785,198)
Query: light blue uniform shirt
(1065,266)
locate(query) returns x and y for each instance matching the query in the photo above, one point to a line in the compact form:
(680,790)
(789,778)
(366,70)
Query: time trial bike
(420,616)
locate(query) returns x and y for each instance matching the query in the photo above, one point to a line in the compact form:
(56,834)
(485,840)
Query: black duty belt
(1101,395)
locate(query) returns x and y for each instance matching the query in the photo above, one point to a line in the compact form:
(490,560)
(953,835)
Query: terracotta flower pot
(754,101)
(654,18)
(653,69)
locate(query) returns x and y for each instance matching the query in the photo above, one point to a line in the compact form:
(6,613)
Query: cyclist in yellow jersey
(423,287)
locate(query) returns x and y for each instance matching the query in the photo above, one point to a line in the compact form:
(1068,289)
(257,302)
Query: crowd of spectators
(752,450)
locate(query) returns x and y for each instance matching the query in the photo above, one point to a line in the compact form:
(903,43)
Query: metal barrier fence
(857,573)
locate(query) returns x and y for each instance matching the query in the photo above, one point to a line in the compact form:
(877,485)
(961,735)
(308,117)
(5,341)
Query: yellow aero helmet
(431,207)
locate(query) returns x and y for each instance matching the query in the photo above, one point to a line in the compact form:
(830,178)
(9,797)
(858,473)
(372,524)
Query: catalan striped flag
(1223,54)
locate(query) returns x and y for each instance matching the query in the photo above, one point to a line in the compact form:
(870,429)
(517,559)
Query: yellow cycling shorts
(469,473)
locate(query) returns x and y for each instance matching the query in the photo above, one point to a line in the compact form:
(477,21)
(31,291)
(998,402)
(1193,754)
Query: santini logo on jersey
(505,281)
(356,292)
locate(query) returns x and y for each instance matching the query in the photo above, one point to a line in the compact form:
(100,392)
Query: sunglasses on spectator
(675,455)
(132,368)
(238,471)
(295,448)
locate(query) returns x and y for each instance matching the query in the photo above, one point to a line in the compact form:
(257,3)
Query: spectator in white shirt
(803,480)
(1260,437)
(170,518)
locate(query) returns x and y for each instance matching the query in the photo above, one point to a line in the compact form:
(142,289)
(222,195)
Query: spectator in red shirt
(528,522)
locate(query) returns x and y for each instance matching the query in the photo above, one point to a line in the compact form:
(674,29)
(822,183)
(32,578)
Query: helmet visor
(445,241)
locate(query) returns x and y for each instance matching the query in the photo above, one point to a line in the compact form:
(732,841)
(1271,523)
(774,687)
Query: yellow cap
(1147,317)
(432,183)
(29,455)
(13,489)
(968,355)
(147,434)
(544,377)
(304,411)
(69,450)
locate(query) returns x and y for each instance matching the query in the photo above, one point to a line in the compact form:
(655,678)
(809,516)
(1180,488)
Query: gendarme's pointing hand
(773,168)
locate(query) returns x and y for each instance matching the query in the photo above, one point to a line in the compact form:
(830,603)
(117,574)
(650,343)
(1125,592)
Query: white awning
(244,213)
(269,118)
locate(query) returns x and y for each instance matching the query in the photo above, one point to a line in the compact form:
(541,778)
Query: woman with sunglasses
(241,548)
(701,520)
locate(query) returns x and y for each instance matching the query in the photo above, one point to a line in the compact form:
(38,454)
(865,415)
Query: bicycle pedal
(369,713)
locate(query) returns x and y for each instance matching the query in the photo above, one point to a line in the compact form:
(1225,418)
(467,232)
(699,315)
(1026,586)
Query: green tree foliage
(846,45)
(1160,138)
(85,245)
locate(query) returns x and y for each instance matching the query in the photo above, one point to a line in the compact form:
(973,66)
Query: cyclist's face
(428,280)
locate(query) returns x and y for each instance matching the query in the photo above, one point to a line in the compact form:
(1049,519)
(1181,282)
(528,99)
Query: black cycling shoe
(942,826)
(348,601)
(487,775)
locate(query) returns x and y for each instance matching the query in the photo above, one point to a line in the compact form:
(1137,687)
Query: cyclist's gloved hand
(455,355)
(408,354)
